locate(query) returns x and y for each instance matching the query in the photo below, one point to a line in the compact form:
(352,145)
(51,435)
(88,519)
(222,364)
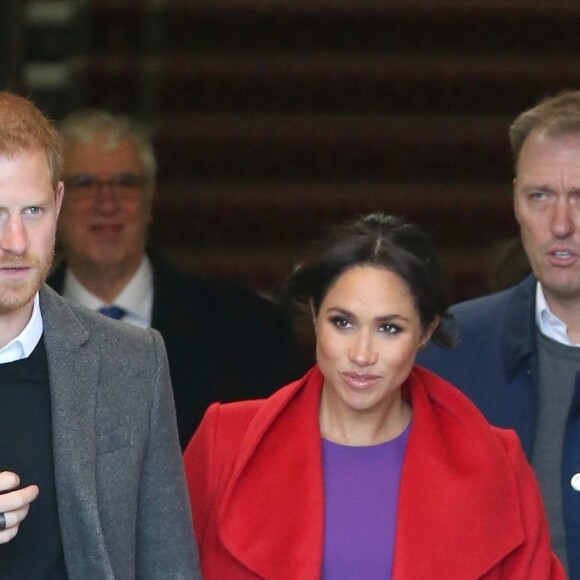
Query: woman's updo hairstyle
(382,241)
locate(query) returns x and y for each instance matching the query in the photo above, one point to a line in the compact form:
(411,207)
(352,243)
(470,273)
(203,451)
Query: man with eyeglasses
(224,343)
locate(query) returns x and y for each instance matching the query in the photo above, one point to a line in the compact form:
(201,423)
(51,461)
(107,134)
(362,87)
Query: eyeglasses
(125,185)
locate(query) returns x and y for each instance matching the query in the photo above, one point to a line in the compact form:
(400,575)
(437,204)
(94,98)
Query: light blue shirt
(22,346)
(136,298)
(548,323)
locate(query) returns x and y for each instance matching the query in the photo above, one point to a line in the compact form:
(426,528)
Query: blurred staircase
(275,118)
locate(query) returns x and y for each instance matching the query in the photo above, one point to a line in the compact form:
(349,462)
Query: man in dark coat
(518,356)
(224,343)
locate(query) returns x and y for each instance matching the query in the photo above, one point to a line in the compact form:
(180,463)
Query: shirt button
(575,482)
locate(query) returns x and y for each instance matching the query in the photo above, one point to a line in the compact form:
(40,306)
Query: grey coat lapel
(74,370)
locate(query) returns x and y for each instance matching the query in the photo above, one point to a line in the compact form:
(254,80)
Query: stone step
(204,214)
(467,26)
(333,147)
(250,82)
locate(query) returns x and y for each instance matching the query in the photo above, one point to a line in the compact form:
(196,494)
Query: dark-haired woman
(367,467)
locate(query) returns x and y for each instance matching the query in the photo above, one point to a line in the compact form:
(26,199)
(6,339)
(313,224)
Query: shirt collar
(548,323)
(22,345)
(136,298)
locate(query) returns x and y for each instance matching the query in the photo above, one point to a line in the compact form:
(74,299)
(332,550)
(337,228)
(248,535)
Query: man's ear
(58,196)
(515,183)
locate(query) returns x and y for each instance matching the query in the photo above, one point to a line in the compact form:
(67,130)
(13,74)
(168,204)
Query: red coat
(469,506)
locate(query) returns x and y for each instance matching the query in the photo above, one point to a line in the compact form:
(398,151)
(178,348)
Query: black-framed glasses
(125,185)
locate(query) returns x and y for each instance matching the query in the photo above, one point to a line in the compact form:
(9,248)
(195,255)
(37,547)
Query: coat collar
(73,373)
(456,488)
(518,337)
(279,464)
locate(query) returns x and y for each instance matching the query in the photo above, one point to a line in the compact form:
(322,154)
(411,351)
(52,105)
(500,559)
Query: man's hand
(13,504)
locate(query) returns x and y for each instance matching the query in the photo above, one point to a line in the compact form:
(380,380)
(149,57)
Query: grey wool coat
(122,500)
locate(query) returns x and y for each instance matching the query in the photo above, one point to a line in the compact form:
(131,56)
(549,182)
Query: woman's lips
(360,380)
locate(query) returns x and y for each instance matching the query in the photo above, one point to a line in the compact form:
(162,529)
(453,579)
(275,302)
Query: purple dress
(361,490)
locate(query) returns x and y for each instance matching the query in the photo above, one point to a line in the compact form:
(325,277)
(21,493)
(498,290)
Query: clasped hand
(14,504)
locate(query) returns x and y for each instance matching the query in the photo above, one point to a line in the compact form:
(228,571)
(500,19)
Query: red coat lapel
(279,464)
(458,503)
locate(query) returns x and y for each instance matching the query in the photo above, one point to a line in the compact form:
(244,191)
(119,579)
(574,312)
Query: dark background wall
(11,44)
(273,119)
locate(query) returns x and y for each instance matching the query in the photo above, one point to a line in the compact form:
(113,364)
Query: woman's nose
(362,351)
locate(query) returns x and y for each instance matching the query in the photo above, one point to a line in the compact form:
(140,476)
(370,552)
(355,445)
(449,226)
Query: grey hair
(84,125)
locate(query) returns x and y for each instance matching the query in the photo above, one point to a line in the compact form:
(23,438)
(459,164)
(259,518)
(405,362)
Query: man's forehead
(21,154)
(100,152)
(553,135)
(543,144)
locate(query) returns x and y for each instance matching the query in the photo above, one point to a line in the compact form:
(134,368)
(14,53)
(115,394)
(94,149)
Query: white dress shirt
(136,298)
(548,323)
(22,346)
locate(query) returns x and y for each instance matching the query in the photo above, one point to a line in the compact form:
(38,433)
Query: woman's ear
(429,332)
(312,311)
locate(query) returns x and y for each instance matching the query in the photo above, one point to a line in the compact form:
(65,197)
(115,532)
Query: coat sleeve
(210,459)
(165,543)
(533,559)
(198,458)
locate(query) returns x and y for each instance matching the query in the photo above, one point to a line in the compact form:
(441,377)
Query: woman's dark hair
(382,241)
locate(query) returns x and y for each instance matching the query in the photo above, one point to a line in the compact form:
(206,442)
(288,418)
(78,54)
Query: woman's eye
(389,329)
(340,322)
